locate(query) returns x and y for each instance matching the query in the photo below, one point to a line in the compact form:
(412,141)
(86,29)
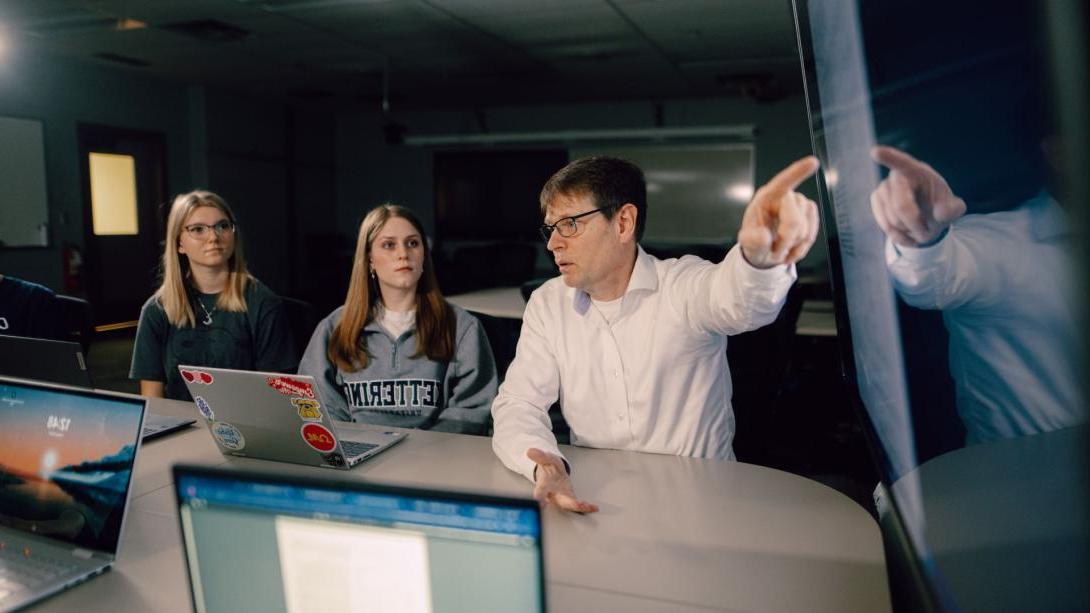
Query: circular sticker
(228,436)
(204,408)
(319,437)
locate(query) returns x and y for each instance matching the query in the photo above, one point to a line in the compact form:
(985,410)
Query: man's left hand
(780,224)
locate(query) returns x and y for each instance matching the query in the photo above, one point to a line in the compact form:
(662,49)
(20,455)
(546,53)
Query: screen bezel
(923,577)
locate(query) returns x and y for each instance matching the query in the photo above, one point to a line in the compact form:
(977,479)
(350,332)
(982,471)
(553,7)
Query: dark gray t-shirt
(259,339)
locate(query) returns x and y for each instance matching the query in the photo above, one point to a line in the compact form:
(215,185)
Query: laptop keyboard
(356,448)
(19,570)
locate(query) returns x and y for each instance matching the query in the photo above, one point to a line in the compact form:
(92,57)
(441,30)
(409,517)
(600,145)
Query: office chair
(503,338)
(76,321)
(301,320)
(759,362)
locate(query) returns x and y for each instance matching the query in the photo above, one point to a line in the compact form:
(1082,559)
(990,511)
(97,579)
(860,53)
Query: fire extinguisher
(72,269)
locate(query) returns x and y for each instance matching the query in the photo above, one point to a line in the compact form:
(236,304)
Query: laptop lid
(66,462)
(43,360)
(318,544)
(275,416)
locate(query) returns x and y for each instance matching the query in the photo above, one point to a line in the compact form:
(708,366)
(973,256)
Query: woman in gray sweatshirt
(397,353)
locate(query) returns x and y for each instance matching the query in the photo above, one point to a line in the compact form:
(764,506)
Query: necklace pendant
(207,319)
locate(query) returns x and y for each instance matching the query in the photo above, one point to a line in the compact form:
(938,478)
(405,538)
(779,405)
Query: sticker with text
(197,376)
(204,408)
(291,387)
(228,436)
(308,409)
(319,437)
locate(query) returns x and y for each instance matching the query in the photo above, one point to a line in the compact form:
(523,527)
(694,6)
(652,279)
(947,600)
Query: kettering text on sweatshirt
(397,389)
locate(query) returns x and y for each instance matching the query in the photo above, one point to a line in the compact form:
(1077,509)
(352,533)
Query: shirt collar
(643,277)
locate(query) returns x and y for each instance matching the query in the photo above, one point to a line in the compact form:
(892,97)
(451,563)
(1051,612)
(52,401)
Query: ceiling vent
(208,30)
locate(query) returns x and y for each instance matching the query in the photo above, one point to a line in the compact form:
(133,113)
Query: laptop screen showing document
(353,546)
(66,462)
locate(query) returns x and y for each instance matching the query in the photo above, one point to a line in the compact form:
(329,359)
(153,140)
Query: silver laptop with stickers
(273,416)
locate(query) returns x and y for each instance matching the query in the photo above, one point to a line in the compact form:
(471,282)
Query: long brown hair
(173,294)
(435,320)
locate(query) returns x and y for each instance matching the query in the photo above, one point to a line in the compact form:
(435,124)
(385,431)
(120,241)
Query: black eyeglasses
(568,226)
(200,230)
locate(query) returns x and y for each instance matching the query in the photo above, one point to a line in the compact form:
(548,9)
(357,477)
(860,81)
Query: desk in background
(817,317)
(677,534)
(503,302)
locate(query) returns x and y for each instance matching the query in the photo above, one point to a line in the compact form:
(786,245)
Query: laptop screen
(351,546)
(66,460)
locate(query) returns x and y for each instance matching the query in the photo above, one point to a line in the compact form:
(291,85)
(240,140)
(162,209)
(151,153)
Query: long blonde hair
(435,320)
(173,294)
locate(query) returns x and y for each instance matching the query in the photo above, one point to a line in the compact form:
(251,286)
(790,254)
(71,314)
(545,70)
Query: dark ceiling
(429,53)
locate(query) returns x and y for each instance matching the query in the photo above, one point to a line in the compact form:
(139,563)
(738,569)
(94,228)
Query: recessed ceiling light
(129,24)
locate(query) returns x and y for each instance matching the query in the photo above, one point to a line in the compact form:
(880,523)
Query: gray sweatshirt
(398,390)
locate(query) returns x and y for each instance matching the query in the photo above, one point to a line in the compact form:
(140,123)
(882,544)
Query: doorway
(124,192)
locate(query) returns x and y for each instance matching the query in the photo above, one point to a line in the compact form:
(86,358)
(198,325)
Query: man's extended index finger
(895,159)
(791,177)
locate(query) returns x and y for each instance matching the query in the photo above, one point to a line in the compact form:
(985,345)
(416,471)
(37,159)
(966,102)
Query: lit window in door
(113,194)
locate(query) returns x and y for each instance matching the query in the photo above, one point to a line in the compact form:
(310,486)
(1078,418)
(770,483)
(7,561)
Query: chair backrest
(503,338)
(77,322)
(302,321)
(758,362)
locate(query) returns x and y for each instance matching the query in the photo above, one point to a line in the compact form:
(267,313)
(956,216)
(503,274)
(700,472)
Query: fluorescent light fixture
(741,192)
(721,133)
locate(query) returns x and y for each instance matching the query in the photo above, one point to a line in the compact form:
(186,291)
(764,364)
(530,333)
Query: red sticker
(291,387)
(197,376)
(319,437)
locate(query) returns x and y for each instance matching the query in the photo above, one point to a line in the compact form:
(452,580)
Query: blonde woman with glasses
(209,310)
(397,353)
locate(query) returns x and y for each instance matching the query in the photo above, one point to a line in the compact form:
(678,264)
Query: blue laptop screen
(345,548)
(66,460)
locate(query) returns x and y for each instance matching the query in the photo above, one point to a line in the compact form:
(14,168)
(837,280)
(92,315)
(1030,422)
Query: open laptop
(66,465)
(63,362)
(43,359)
(273,416)
(319,544)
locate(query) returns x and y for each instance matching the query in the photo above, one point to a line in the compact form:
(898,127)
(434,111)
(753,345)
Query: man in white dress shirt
(635,347)
(1003,281)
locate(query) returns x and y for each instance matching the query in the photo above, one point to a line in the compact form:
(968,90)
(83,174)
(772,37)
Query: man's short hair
(610,182)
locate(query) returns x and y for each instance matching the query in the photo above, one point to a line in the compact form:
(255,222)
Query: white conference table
(676,534)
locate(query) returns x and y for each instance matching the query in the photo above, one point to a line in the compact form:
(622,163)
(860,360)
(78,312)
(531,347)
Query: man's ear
(626,221)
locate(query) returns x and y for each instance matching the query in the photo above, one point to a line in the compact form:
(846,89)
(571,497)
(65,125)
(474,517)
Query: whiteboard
(696,193)
(24,209)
